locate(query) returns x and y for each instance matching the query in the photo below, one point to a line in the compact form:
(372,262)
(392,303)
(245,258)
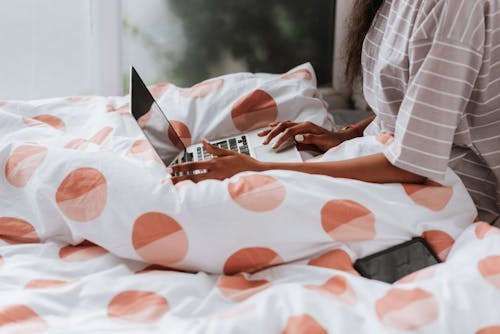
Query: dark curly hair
(360,21)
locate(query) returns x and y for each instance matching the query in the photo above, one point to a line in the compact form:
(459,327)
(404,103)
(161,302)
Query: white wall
(58,48)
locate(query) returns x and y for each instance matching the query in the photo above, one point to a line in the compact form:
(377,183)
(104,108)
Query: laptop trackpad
(266,153)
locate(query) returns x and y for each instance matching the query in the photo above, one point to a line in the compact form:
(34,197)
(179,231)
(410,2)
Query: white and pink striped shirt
(431,74)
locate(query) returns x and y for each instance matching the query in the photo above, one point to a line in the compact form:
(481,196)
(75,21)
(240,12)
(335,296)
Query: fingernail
(299,138)
(169,170)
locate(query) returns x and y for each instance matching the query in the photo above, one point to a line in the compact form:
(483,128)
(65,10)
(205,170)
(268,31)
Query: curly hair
(359,23)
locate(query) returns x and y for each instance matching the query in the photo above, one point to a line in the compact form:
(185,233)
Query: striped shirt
(431,74)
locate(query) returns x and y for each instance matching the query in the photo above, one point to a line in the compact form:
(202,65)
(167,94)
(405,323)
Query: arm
(374,168)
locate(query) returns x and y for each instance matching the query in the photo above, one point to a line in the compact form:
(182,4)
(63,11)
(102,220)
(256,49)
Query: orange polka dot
(238,288)
(346,220)
(45,284)
(159,239)
(203,89)
(1,260)
(158,89)
(17,231)
(74,99)
(440,242)
(407,309)
(484,230)
(123,110)
(254,111)
(82,195)
(84,251)
(21,319)
(182,132)
(257,192)
(337,287)
(155,269)
(336,259)
(142,150)
(490,269)
(101,136)
(385,138)
(51,120)
(138,306)
(23,162)
(303,324)
(2,103)
(489,330)
(430,195)
(77,144)
(251,260)
(420,275)
(302,74)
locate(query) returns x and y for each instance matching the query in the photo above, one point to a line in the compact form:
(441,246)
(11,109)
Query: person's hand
(306,134)
(225,164)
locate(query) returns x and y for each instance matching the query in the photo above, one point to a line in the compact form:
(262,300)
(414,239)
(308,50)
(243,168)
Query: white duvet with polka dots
(90,222)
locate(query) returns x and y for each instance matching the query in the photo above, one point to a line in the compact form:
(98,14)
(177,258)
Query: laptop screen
(153,121)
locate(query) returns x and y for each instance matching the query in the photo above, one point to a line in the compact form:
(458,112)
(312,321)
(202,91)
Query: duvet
(95,238)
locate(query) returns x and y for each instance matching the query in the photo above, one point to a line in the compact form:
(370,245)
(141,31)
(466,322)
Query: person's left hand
(225,164)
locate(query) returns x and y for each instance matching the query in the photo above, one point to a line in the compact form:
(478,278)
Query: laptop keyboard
(239,145)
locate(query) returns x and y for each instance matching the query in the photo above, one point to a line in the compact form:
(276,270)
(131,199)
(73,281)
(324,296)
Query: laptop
(171,147)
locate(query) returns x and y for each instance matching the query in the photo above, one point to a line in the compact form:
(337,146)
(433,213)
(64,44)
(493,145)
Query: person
(431,74)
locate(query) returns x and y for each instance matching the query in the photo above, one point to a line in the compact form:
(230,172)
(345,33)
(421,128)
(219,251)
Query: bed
(94,238)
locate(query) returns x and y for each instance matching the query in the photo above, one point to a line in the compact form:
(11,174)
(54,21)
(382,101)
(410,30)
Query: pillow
(234,103)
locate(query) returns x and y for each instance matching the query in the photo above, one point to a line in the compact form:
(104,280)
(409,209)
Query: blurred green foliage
(265,35)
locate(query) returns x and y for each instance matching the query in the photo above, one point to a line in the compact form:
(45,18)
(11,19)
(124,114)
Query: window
(187,41)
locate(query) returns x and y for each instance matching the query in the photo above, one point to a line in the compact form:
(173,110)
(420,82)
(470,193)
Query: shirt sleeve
(443,71)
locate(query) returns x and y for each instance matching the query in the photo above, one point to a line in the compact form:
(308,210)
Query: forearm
(373,168)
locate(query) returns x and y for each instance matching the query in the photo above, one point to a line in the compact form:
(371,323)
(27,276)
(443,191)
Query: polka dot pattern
(336,287)
(142,150)
(138,307)
(159,89)
(237,288)
(182,132)
(250,260)
(485,230)
(75,99)
(21,319)
(82,195)
(203,89)
(2,103)
(489,268)
(84,251)
(254,111)
(347,220)
(257,192)
(385,138)
(418,276)
(50,120)
(407,309)
(430,195)
(440,242)
(45,284)
(489,330)
(17,231)
(23,163)
(301,74)
(77,144)
(143,121)
(336,259)
(101,136)
(159,239)
(303,324)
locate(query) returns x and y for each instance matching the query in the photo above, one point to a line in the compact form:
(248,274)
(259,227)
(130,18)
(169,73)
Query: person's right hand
(305,133)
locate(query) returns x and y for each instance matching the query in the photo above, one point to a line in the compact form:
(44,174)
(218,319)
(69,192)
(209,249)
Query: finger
(215,150)
(277,130)
(190,166)
(310,139)
(288,135)
(194,177)
(263,133)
